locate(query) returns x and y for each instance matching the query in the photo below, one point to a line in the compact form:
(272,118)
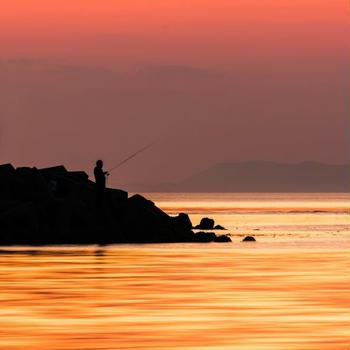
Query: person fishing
(100,179)
(100,175)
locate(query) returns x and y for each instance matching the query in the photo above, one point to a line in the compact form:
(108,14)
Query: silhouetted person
(100,179)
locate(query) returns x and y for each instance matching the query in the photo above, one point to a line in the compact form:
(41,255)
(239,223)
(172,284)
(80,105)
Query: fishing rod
(131,156)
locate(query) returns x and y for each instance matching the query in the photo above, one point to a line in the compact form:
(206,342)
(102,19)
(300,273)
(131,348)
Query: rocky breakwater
(57,206)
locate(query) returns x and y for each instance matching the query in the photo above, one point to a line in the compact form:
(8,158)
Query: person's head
(99,163)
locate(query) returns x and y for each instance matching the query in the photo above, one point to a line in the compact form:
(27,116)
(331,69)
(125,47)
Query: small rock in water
(206,224)
(182,221)
(249,239)
(205,237)
(223,238)
(219,227)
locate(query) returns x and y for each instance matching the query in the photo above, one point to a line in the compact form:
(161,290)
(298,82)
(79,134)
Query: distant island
(260,176)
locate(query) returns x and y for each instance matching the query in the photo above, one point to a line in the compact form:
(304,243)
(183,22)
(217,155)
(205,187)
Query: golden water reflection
(174,297)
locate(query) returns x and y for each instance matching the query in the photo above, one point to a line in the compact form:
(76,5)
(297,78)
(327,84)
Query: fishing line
(131,156)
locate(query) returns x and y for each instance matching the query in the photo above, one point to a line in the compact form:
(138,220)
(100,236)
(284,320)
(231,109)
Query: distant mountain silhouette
(260,176)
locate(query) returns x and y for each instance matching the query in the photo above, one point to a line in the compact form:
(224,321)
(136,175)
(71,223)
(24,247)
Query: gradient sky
(212,81)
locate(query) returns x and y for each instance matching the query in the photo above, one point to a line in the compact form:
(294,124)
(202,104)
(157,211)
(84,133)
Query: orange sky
(255,79)
(105,30)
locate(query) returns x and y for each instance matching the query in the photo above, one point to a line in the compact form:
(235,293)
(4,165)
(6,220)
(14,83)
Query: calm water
(289,290)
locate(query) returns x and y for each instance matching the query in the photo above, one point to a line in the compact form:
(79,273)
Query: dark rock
(118,196)
(7,182)
(31,185)
(6,169)
(7,204)
(219,227)
(205,224)
(223,238)
(80,176)
(53,171)
(56,206)
(19,224)
(150,224)
(182,221)
(248,239)
(205,237)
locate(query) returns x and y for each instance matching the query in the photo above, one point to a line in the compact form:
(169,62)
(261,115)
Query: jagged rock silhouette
(57,206)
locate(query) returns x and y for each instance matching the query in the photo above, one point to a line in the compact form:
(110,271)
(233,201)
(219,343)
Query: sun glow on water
(287,291)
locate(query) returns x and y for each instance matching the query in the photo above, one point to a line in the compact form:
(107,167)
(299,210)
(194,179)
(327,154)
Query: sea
(289,290)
